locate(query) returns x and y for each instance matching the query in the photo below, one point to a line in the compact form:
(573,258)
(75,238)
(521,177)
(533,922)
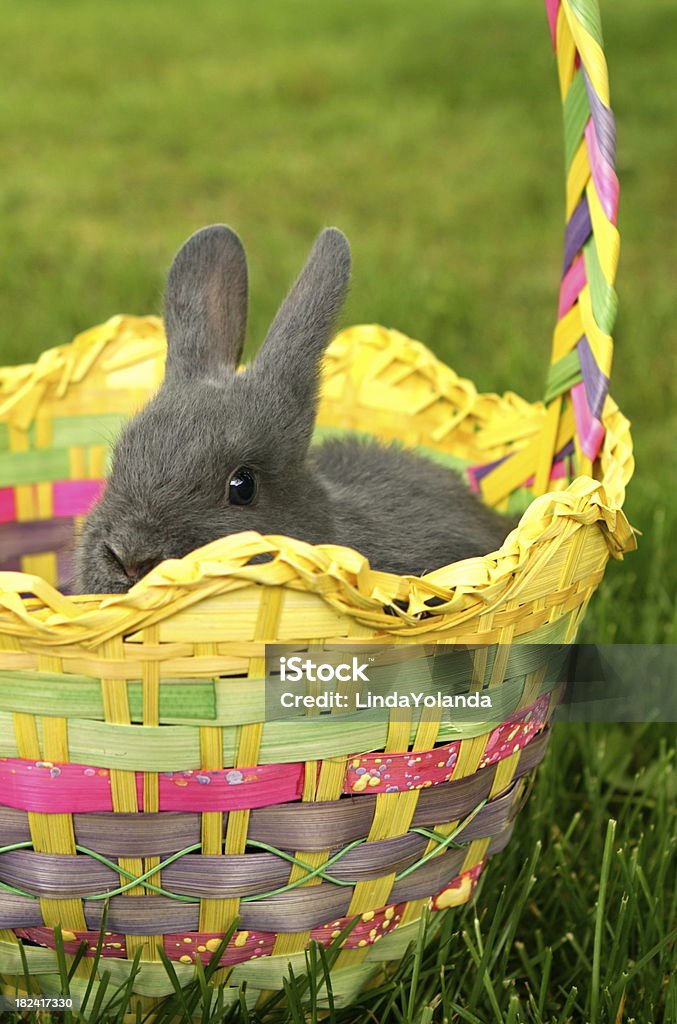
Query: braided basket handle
(580,362)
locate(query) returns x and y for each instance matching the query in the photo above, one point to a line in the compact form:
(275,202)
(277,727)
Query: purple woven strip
(604,122)
(578,231)
(595,382)
(36,536)
(313,826)
(298,910)
(568,449)
(481,471)
(13,565)
(213,877)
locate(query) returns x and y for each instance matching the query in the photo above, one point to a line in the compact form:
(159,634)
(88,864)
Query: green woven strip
(264,973)
(562,375)
(179,701)
(42,466)
(51,693)
(519,501)
(177,747)
(603,296)
(587,12)
(232,702)
(152,979)
(576,113)
(70,431)
(71,696)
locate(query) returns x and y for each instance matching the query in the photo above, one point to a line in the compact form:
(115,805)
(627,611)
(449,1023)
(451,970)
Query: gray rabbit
(216,452)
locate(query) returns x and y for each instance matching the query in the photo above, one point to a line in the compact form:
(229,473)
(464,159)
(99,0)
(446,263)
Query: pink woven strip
(552,9)
(69,498)
(7,505)
(590,430)
(603,175)
(75,497)
(48,787)
(572,284)
(393,773)
(185,947)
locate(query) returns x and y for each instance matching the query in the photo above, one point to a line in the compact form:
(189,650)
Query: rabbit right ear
(206,305)
(289,360)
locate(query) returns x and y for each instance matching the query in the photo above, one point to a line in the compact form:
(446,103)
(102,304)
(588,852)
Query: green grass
(430,132)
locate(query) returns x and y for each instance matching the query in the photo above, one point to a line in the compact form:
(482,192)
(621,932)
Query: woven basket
(134,761)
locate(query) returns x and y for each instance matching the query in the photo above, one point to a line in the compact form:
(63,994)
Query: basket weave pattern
(136,768)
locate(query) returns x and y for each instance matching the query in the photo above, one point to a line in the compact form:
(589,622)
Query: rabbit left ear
(206,305)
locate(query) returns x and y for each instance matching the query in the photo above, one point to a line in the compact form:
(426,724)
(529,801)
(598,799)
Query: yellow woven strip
(310,781)
(592,55)
(26,506)
(505,774)
(26,733)
(393,817)
(150,679)
(97,462)
(601,344)
(7,936)
(470,752)
(77,466)
(212,911)
(568,332)
(249,742)
(58,828)
(18,439)
(605,234)
(566,54)
(548,447)
(43,491)
(567,425)
(123,783)
(44,500)
(469,756)
(479,658)
(477,851)
(583,461)
(329,787)
(577,178)
(532,686)
(42,565)
(511,473)
(428,729)
(573,552)
(50,833)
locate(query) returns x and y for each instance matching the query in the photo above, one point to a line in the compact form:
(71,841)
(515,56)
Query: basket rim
(339,575)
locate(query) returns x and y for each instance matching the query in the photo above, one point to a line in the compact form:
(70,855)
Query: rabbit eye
(242,486)
(114,556)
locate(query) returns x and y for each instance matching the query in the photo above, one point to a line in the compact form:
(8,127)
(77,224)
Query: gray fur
(167,491)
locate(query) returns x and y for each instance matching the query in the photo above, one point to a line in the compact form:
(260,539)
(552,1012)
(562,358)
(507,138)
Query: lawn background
(431,134)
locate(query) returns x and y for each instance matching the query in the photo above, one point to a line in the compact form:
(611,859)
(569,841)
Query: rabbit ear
(206,304)
(290,356)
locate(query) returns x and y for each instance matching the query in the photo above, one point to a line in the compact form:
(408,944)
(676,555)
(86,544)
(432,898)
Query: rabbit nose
(135,570)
